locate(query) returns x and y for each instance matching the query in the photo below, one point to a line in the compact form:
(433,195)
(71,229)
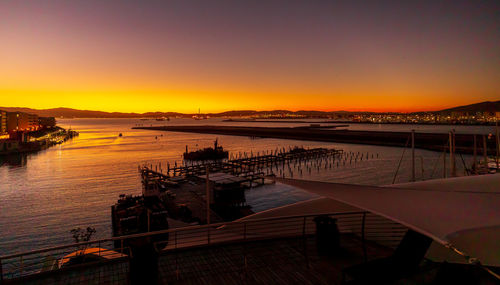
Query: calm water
(45,195)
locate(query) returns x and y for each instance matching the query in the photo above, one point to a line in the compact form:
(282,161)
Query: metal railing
(63,257)
(242,239)
(365,225)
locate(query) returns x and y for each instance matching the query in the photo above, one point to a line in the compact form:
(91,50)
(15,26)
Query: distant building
(3,122)
(47,122)
(19,121)
(3,125)
(9,146)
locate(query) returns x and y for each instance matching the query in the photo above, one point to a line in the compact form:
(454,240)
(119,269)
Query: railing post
(304,241)
(208,235)
(99,254)
(21,268)
(244,231)
(245,263)
(363,237)
(176,257)
(304,227)
(121,244)
(1,272)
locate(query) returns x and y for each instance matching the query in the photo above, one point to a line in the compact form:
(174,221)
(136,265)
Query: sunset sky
(262,54)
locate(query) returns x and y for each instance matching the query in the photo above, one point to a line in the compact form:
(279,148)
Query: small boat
(79,257)
(199,116)
(493,165)
(88,255)
(488,167)
(215,153)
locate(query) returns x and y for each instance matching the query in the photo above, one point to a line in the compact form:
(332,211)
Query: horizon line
(252,110)
(231,110)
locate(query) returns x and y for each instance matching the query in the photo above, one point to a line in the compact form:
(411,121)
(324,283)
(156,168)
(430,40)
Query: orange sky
(227,56)
(187,101)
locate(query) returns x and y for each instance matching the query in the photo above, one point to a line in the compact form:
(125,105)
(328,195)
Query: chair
(403,262)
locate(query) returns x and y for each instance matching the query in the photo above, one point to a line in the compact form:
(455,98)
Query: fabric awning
(468,221)
(483,183)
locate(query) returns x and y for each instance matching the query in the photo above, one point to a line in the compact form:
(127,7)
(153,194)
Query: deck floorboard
(283,261)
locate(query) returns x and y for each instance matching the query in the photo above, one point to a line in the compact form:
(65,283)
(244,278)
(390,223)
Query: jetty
(215,153)
(284,121)
(245,163)
(187,190)
(463,143)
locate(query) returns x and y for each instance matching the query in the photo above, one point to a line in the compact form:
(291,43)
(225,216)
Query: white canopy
(467,220)
(482,183)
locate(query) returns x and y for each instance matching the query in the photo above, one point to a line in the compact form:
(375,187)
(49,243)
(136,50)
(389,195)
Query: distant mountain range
(478,107)
(74,113)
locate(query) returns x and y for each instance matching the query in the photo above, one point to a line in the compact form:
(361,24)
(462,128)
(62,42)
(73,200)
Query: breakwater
(464,143)
(283,121)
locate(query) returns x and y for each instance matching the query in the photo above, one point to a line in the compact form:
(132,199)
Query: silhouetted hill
(74,113)
(487,106)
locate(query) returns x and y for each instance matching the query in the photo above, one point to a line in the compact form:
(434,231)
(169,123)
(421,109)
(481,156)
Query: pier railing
(365,225)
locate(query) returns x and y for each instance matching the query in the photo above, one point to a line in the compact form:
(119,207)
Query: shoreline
(56,136)
(287,120)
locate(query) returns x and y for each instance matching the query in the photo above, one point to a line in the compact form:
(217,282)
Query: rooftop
(278,247)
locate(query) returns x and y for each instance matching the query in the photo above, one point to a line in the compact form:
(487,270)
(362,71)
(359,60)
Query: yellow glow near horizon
(214,101)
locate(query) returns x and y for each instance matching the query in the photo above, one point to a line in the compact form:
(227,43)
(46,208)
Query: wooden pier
(243,163)
(183,188)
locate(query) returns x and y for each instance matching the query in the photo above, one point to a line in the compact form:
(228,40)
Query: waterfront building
(3,124)
(47,122)
(9,146)
(19,121)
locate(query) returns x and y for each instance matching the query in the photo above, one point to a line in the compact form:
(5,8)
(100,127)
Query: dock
(246,164)
(183,188)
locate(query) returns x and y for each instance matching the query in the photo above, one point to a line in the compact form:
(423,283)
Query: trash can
(327,235)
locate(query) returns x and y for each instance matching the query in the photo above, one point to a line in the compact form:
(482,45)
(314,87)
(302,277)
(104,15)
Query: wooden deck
(278,261)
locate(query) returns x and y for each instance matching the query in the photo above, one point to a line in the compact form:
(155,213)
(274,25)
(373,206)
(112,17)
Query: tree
(80,235)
